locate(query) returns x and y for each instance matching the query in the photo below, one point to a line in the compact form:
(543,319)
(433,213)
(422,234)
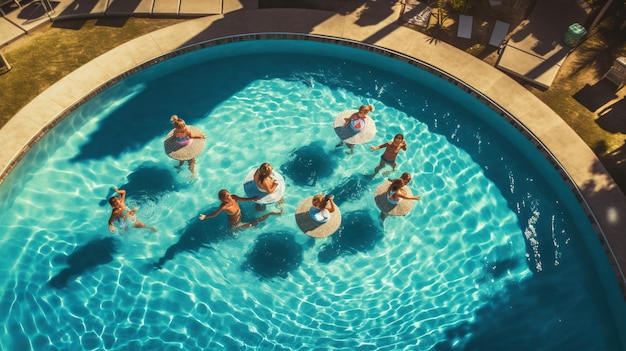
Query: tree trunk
(599,16)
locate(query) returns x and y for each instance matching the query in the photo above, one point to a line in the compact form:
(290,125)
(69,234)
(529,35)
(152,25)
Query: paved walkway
(20,17)
(370,25)
(535,50)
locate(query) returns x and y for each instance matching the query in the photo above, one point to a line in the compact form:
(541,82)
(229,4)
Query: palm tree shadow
(91,255)
(592,97)
(197,235)
(612,117)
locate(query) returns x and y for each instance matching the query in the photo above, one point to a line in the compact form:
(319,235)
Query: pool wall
(201,33)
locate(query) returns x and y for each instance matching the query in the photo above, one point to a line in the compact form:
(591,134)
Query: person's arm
(196,136)
(121,192)
(202,217)
(374,148)
(111,220)
(245,199)
(272,186)
(404,145)
(332,205)
(404,196)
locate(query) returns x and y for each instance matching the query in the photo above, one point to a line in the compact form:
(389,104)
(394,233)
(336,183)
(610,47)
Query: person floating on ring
(265,183)
(322,208)
(318,216)
(390,197)
(357,123)
(183,136)
(264,180)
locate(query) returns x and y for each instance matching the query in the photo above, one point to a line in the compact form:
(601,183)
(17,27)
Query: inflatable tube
(186,152)
(312,228)
(251,190)
(349,134)
(400,209)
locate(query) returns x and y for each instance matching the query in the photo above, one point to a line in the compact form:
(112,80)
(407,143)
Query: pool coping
(578,165)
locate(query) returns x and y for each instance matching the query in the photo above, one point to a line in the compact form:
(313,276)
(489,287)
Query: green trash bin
(574,34)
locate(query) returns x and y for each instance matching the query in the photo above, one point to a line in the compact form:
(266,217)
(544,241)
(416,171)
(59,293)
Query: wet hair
(111,200)
(369,108)
(264,171)
(222,194)
(178,123)
(401,136)
(396,185)
(406,177)
(319,201)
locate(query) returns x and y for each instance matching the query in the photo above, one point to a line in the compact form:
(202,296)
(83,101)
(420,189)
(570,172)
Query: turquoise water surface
(495,256)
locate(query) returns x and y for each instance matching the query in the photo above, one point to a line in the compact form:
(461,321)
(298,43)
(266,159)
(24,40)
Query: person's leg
(192,166)
(393,168)
(140,224)
(180,164)
(264,217)
(339,144)
(351,148)
(377,169)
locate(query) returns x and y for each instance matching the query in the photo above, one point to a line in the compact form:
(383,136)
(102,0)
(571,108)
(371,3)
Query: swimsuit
(357,124)
(319,216)
(183,141)
(234,218)
(387,161)
(125,216)
(390,195)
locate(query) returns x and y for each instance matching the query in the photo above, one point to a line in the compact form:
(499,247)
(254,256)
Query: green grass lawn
(48,54)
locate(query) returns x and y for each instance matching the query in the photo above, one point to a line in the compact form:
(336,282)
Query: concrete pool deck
(606,201)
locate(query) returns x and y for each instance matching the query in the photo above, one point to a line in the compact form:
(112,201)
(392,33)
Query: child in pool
(263,178)
(184,137)
(357,122)
(121,212)
(230,205)
(395,193)
(392,148)
(320,212)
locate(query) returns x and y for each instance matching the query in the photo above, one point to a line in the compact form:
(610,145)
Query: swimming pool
(490,257)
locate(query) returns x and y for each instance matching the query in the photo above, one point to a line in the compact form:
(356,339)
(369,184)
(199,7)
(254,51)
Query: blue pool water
(497,255)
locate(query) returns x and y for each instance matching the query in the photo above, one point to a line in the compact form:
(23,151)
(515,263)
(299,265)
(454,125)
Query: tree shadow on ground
(592,97)
(611,118)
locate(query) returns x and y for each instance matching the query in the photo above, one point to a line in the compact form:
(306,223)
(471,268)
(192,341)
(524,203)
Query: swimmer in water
(322,208)
(121,213)
(230,205)
(263,178)
(392,149)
